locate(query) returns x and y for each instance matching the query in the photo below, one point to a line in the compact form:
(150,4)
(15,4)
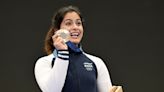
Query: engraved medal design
(64,34)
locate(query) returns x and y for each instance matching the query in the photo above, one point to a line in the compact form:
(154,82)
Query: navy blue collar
(73,48)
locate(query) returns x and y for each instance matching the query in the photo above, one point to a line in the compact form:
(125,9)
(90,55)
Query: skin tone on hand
(116,89)
(71,22)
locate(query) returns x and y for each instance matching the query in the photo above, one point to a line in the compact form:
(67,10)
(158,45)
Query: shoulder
(45,59)
(93,57)
(97,60)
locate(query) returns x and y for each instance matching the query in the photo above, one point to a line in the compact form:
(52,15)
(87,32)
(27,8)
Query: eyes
(71,22)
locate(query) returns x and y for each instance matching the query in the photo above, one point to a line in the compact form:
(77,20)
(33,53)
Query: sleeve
(103,80)
(51,79)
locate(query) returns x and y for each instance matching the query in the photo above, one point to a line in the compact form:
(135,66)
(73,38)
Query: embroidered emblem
(88,66)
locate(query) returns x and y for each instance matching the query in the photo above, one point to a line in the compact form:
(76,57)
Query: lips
(74,34)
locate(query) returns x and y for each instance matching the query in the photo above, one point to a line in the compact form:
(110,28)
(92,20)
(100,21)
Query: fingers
(54,37)
(116,89)
(58,42)
(57,39)
(119,89)
(113,89)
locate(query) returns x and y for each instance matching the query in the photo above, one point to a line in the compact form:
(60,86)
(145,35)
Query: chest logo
(88,66)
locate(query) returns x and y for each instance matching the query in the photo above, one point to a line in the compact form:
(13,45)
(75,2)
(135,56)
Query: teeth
(74,35)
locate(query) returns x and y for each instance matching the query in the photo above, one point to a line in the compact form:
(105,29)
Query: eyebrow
(71,20)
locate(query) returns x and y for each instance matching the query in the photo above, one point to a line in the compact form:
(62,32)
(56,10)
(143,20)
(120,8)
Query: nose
(74,26)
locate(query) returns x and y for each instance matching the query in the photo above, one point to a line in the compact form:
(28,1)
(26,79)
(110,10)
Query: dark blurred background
(127,34)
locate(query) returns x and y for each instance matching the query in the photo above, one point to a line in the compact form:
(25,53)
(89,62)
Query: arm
(103,80)
(51,79)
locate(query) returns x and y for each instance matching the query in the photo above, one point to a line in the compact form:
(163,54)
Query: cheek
(82,31)
(62,26)
(65,27)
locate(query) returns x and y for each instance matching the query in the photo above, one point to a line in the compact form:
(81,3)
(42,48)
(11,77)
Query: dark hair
(56,22)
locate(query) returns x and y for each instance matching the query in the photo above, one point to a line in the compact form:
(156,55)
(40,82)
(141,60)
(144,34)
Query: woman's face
(73,23)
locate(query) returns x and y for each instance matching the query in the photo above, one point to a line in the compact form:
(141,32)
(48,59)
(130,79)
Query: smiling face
(73,23)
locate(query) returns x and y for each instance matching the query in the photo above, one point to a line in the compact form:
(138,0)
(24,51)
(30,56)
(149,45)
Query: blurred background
(127,34)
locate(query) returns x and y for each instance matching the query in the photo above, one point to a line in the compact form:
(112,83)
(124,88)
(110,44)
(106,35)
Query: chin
(75,41)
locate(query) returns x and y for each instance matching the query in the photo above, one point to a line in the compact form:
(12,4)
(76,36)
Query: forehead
(71,16)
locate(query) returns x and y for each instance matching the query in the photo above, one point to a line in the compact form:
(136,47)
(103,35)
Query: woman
(67,68)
